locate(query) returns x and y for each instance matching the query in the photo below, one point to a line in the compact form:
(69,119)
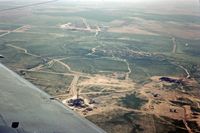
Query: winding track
(2,35)
(73,89)
(186,71)
(182,67)
(22,49)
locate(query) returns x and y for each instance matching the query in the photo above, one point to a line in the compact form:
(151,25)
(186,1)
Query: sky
(186,4)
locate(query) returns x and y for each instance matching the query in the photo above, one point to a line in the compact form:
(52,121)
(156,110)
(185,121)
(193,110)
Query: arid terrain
(128,67)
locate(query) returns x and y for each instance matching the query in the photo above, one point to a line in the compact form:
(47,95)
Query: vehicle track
(23,49)
(185,121)
(174,45)
(15,30)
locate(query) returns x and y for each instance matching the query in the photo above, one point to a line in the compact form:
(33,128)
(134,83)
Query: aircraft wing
(26,109)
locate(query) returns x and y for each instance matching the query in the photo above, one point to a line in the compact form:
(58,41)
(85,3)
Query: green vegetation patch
(52,84)
(16,59)
(189,47)
(93,14)
(145,43)
(9,26)
(133,101)
(145,67)
(92,89)
(175,18)
(1,33)
(94,65)
(50,45)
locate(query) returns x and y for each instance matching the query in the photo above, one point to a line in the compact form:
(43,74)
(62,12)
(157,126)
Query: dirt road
(185,121)
(186,71)
(86,24)
(8,32)
(129,70)
(22,49)
(73,88)
(174,45)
